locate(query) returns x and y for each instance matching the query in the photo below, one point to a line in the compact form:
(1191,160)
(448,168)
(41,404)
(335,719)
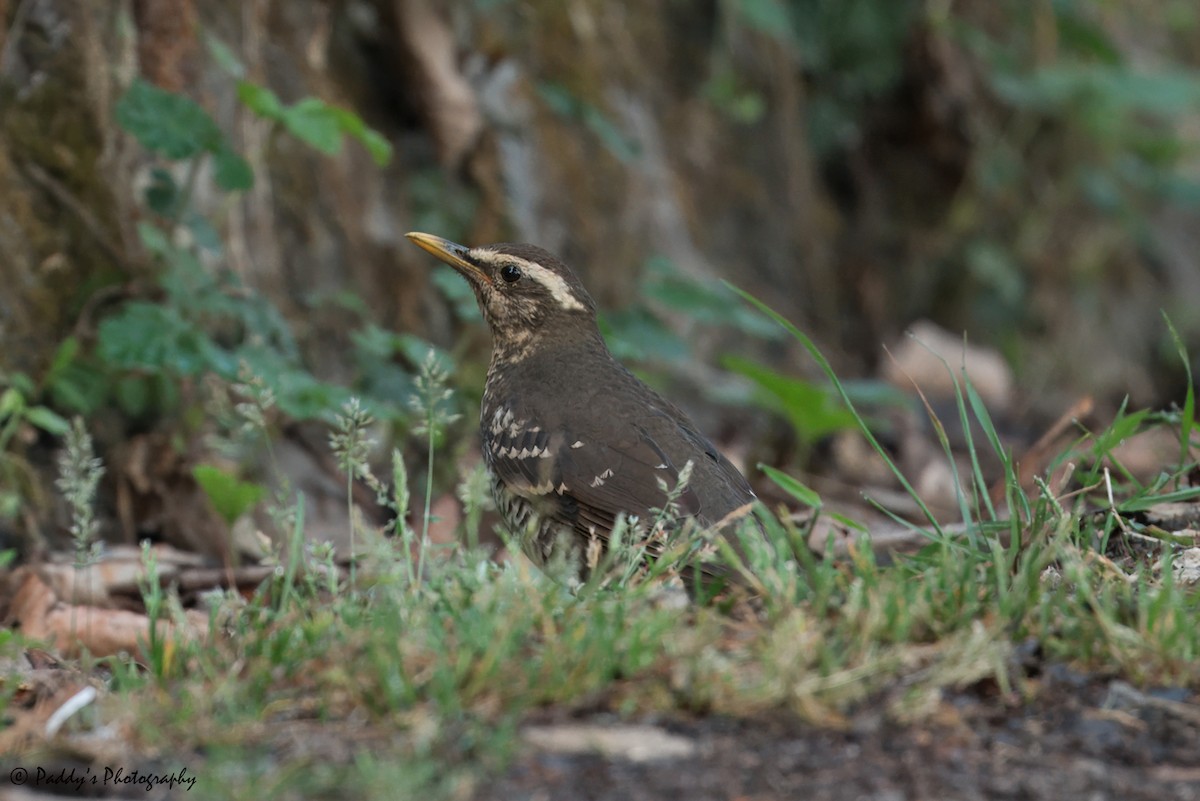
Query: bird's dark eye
(510,273)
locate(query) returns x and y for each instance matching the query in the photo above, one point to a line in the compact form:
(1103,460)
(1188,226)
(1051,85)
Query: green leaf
(740,105)
(146,336)
(229,496)
(155,240)
(48,421)
(1085,36)
(261,100)
(302,396)
(563,102)
(792,486)
(850,523)
(11,402)
(297,392)
(231,171)
(1188,416)
(813,410)
(708,303)
(162,193)
(66,353)
(378,147)
(203,234)
(624,148)
(167,123)
(807,343)
(416,350)
(458,292)
(10,507)
(1110,90)
(1125,425)
(768,16)
(79,388)
(224,56)
(558,98)
(313,121)
(635,334)
(20,382)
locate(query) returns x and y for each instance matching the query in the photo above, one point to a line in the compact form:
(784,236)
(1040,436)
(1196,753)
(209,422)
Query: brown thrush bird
(571,438)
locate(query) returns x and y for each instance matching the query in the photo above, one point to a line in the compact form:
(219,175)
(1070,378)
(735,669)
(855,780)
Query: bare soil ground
(1084,738)
(1077,736)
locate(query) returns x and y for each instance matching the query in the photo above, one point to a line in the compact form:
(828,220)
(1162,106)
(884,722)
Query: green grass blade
(792,486)
(1187,420)
(820,359)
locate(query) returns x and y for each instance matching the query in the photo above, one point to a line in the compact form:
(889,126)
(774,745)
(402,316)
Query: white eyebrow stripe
(554,283)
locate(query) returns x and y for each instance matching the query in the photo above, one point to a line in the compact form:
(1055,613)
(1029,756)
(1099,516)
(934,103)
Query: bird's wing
(582,481)
(586,483)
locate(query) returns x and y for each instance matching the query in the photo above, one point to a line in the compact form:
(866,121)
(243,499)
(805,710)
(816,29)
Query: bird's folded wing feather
(589,482)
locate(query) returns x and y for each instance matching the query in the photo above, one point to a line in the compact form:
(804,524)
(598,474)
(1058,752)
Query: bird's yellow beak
(452,253)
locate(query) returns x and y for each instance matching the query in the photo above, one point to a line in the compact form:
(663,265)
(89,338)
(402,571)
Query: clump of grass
(157,648)
(352,446)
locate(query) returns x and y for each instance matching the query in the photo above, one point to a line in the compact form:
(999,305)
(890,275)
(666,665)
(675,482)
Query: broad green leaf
(635,334)
(203,234)
(11,402)
(147,336)
(79,388)
(416,350)
(458,292)
(167,123)
(133,395)
(813,410)
(768,16)
(261,100)
(20,382)
(1084,35)
(155,240)
(230,496)
(47,420)
(65,354)
(709,303)
(379,148)
(231,171)
(315,122)
(162,193)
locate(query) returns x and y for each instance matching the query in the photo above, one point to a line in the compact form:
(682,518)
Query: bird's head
(525,293)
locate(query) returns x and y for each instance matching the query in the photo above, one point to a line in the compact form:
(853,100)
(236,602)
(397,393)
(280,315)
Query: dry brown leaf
(73,628)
